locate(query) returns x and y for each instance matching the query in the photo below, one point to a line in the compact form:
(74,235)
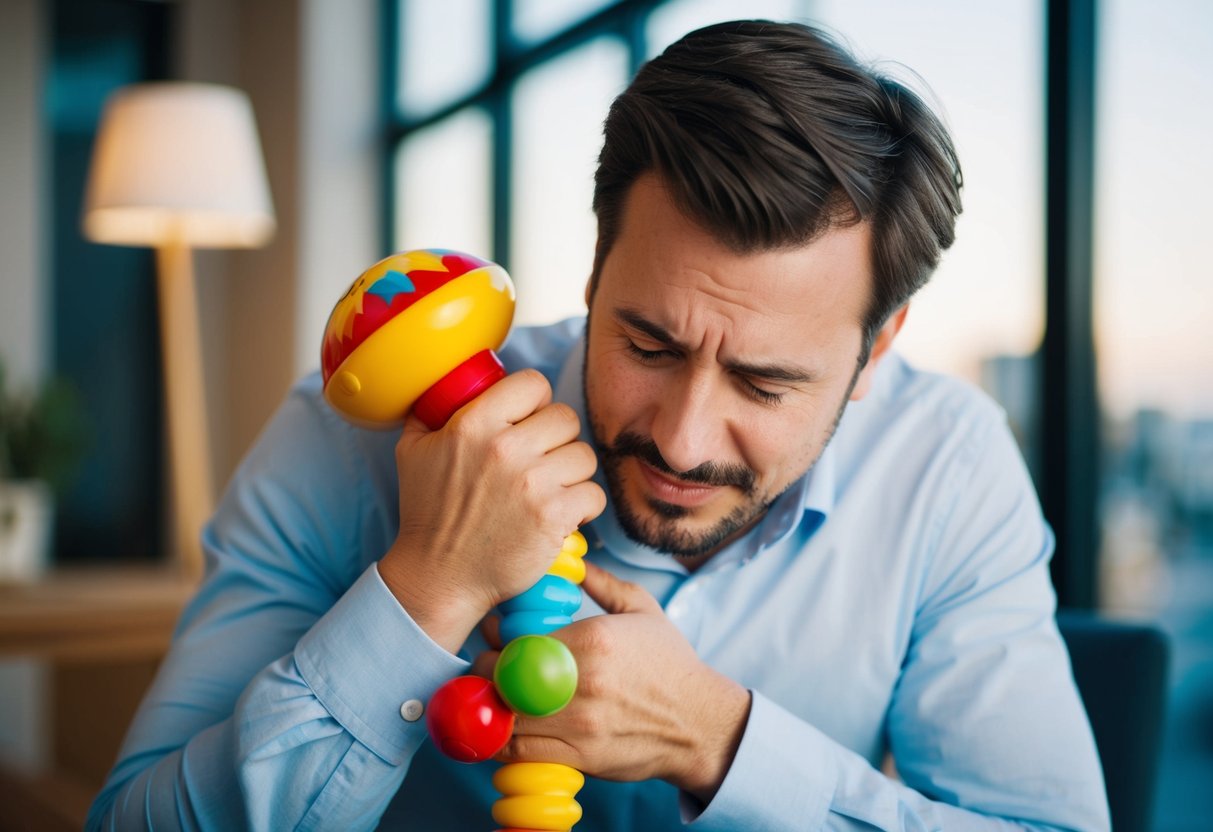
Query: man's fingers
(510,400)
(490,628)
(589,501)
(553,425)
(530,747)
(615,595)
(576,461)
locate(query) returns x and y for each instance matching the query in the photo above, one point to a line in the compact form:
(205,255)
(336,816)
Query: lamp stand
(189,447)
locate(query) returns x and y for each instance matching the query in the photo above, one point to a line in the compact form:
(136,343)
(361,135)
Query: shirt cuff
(782,777)
(365,658)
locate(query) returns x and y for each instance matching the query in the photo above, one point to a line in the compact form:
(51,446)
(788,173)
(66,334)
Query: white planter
(26,511)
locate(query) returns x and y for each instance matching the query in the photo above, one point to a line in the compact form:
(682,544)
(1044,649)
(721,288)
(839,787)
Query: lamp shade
(178,163)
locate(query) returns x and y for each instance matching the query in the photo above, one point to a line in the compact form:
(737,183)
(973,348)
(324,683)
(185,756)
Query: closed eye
(647,355)
(748,387)
(758,394)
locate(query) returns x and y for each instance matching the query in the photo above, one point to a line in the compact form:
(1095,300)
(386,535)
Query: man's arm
(276,708)
(982,750)
(320,734)
(986,726)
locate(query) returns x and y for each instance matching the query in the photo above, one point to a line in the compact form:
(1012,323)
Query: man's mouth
(674,491)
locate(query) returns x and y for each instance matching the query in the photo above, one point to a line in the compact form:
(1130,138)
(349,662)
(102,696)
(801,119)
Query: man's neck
(693,562)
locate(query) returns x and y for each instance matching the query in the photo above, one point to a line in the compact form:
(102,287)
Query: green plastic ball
(536,675)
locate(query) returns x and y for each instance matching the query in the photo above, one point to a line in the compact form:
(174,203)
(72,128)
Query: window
(558,111)
(1153,297)
(442,184)
(446,51)
(494,142)
(535,20)
(982,315)
(670,21)
(104,342)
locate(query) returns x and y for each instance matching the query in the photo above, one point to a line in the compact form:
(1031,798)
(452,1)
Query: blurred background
(1079,292)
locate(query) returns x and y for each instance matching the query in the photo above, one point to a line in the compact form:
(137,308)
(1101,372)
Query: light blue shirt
(895,600)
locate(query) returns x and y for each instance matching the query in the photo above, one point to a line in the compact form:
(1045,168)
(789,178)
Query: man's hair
(770,134)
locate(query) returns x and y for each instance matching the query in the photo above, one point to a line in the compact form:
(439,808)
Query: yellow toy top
(407,322)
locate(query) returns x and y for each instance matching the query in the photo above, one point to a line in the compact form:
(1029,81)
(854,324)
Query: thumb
(490,628)
(615,595)
(484,663)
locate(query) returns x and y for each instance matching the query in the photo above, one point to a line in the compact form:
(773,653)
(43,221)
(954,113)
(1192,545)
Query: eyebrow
(770,371)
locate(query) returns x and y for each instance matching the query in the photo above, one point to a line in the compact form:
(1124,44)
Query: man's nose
(689,425)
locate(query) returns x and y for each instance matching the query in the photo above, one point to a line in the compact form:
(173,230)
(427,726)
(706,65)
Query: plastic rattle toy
(418,331)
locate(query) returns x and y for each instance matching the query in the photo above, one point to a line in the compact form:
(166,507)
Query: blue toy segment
(531,623)
(546,606)
(551,593)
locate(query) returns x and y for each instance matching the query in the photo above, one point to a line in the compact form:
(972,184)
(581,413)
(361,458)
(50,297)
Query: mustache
(628,444)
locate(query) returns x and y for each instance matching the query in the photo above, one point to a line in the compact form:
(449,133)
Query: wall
(23,343)
(341,173)
(23,275)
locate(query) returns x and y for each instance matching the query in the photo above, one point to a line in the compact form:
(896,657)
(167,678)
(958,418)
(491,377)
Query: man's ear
(884,340)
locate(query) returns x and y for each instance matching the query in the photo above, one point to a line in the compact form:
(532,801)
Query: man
(812,555)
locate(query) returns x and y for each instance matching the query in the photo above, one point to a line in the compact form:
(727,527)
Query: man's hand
(485,503)
(646,705)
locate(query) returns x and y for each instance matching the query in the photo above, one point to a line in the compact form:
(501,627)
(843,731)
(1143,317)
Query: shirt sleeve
(279,704)
(985,726)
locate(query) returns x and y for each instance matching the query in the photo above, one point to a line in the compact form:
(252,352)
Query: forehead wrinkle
(763,310)
(744,297)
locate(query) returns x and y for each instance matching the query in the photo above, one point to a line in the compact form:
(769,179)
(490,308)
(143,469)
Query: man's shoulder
(905,392)
(306,419)
(932,412)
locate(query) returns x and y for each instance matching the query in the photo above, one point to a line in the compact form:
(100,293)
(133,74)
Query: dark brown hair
(768,135)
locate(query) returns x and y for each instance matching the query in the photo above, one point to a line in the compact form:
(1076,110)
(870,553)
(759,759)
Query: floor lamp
(178,166)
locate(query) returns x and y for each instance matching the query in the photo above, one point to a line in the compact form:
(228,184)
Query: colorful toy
(417,331)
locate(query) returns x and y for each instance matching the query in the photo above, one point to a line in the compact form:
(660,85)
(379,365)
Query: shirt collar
(805,505)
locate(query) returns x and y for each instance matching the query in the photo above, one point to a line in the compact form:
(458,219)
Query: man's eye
(758,394)
(648,355)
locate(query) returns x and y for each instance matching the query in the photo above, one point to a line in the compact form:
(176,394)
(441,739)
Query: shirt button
(412,710)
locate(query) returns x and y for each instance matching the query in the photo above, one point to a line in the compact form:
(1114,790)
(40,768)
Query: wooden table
(100,633)
(86,614)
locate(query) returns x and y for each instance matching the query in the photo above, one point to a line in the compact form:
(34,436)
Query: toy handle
(458,387)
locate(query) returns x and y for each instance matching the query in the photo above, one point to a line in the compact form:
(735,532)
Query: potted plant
(41,442)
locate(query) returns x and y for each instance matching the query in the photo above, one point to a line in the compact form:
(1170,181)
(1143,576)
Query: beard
(665,529)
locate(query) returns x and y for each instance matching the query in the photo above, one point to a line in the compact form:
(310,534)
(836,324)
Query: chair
(1121,672)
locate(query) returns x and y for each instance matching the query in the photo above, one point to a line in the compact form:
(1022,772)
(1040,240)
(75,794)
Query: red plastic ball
(467,719)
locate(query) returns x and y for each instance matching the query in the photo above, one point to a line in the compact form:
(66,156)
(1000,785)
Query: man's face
(715,379)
